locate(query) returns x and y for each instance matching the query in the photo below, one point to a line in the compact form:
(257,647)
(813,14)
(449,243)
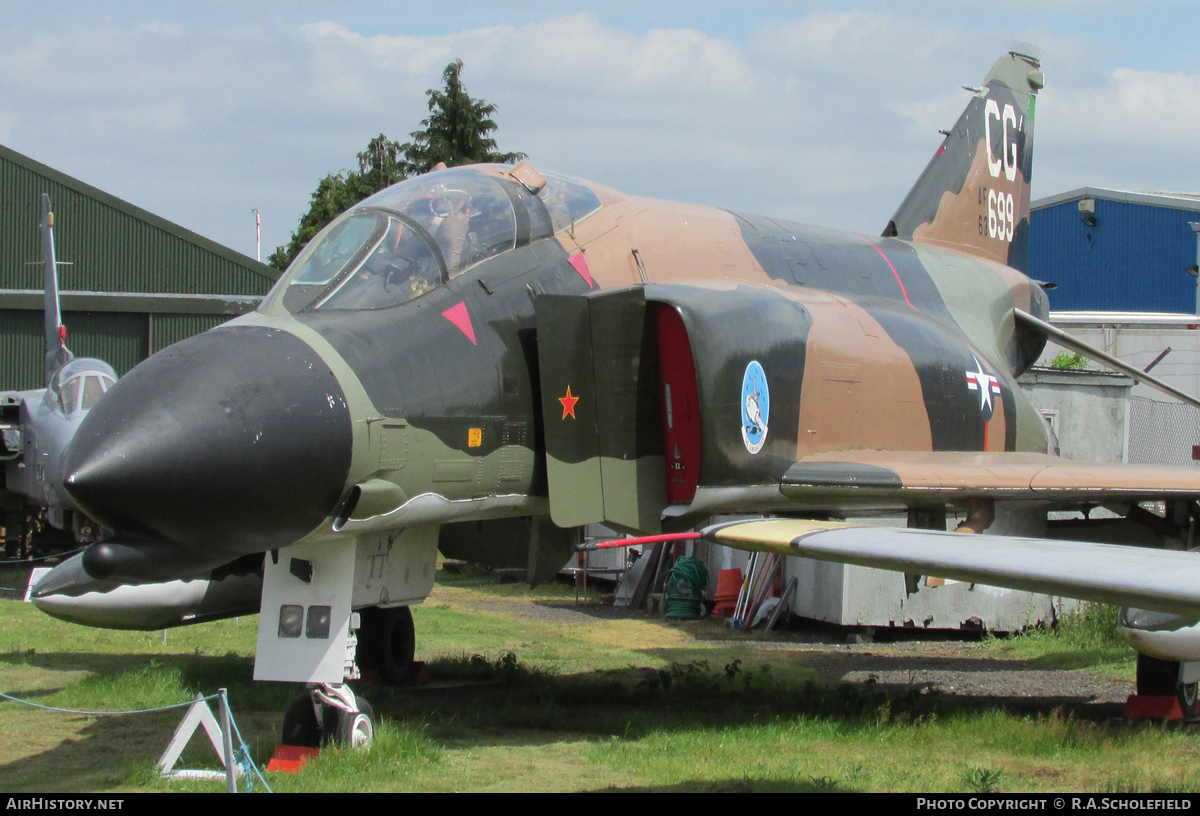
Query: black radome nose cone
(236,440)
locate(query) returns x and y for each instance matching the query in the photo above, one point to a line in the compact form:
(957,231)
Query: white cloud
(166,29)
(866,52)
(779,124)
(1144,108)
(827,117)
(1124,129)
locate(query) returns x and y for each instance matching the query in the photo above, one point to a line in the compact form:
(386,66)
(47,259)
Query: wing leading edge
(1159,580)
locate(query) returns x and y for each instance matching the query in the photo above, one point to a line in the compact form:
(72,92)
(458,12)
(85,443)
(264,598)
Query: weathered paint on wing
(1159,580)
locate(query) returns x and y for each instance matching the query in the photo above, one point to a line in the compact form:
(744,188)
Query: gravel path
(953,668)
(946,666)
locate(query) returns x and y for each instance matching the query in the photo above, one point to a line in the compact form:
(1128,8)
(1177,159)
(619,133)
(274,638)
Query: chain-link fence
(1162,433)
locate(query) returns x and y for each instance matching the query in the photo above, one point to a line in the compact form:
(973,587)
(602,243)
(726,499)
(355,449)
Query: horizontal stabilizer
(1159,580)
(1076,345)
(1007,475)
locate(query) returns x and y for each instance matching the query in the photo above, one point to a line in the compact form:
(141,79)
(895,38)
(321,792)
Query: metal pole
(257,236)
(1195,225)
(227,743)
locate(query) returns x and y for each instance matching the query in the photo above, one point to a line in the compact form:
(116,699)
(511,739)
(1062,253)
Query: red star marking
(568,404)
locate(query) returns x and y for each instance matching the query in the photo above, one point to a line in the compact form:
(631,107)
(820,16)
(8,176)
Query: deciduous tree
(379,166)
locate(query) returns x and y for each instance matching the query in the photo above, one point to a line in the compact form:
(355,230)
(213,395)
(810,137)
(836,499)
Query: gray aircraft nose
(237,440)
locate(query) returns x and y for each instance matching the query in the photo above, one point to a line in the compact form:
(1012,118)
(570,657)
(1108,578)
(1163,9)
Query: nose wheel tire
(355,729)
(300,724)
(1186,693)
(335,726)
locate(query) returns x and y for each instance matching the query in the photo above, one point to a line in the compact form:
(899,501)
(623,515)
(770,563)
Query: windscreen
(468,214)
(397,265)
(400,243)
(80,383)
(567,200)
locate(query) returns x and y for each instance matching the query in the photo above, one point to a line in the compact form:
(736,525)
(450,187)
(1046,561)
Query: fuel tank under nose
(1160,634)
(234,441)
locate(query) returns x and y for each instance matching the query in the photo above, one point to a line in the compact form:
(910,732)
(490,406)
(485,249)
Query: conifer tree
(457,130)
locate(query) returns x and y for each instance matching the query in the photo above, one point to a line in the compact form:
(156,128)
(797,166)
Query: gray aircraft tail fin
(57,354)
(974,194)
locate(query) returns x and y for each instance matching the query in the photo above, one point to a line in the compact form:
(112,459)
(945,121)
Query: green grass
(878,751)
(1086,638)
(535,703)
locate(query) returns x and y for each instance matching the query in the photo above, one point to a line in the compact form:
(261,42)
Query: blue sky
(819,112)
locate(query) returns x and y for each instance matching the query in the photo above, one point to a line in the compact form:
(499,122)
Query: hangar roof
(131,281)
(1179,201)
(112,245)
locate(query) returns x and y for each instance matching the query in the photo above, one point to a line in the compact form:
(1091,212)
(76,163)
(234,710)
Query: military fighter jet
(484,358)
(37,425)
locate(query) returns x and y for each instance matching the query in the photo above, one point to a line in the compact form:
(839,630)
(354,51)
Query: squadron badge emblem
(756,407)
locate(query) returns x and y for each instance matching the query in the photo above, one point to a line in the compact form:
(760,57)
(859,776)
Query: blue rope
(242,758)
(241,755)
(104,713)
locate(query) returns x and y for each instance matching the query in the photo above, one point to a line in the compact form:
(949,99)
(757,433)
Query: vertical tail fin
(57,354)
(974,194)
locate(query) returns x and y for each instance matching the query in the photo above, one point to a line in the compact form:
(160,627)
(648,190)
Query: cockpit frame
(429,229)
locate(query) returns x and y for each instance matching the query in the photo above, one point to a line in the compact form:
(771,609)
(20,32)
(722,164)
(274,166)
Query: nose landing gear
(333,714)
(329,714)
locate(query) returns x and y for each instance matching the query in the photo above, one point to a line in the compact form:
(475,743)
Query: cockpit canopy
(79,384)
(416,235)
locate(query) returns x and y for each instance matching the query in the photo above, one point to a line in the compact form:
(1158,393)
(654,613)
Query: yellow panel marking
(474,437)
(772,535)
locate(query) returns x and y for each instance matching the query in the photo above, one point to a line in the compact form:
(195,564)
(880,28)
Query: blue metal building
(1111,250)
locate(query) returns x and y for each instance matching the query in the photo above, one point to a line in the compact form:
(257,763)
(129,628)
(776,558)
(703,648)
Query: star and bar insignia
(987,385)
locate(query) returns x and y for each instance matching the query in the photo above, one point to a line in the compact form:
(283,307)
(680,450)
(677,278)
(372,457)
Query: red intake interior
(680,406)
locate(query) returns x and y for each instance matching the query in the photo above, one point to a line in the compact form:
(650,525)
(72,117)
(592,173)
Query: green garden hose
(686,584)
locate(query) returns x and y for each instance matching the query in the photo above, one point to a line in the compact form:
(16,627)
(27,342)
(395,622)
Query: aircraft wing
(1160,580)
(951,475)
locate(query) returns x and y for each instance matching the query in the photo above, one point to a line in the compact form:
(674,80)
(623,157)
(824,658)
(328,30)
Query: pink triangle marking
(459,316)
(580,264)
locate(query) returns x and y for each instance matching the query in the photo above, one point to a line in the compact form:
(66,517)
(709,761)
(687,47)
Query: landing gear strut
(328,715)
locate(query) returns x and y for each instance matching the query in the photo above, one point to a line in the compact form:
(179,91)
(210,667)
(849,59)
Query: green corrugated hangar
(132,282)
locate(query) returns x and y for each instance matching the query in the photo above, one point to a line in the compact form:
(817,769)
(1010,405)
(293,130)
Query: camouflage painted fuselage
(484,359)
(650,361)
